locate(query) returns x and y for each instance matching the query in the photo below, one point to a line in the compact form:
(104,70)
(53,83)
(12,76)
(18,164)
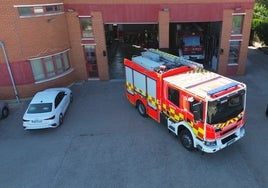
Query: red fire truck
(204,109)
(191,42)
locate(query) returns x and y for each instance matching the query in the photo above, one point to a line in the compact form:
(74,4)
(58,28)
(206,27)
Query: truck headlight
(210,143)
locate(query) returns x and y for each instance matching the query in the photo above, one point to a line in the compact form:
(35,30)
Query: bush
(261,30)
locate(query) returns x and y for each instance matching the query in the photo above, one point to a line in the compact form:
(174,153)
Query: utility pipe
(9,71)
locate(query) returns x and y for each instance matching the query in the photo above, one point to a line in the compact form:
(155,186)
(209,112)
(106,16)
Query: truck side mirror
(197,111)
(197,115)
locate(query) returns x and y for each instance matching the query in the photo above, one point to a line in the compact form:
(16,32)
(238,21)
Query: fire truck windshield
(222,110)
(191,41)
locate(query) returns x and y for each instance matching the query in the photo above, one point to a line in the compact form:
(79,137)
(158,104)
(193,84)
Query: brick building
(52,43)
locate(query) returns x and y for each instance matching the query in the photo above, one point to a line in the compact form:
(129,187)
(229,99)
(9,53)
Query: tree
(262,2)
(260,21)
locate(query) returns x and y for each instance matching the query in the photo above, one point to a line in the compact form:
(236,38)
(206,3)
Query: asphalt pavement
(104,142)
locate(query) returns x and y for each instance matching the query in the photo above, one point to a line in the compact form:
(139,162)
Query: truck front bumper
(213,146)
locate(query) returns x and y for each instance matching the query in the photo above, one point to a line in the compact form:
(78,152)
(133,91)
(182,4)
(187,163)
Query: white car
(47,108)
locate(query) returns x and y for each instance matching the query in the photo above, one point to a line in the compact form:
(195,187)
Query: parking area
(104,142)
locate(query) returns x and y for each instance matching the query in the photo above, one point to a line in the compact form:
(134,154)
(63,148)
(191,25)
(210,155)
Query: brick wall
(25,38)
(101,54)
(225,44)
(244,44)
(76,53)
(163,29)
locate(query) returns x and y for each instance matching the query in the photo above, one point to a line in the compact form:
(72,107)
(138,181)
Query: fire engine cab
(204,109)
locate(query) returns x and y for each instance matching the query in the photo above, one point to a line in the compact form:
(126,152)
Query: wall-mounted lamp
(49,20)
(165,9)
(70,10)
(237,8)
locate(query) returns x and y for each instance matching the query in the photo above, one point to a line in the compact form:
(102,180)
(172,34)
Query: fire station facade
(53,43)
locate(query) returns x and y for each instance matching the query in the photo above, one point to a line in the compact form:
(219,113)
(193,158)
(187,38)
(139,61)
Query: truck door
(172,105)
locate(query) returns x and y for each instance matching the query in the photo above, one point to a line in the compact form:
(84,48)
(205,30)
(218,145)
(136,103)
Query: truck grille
(228,138)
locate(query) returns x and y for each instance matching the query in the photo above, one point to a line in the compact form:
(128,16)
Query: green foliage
(261,30)
(260,11)
(260,20)
(262,2)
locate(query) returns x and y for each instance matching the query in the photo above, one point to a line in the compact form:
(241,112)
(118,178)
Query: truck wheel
(187,139)
(141,109)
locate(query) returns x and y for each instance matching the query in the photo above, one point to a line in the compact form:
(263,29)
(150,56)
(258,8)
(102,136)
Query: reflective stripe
(140,91)
(170,112)
(231,121)
(130,87)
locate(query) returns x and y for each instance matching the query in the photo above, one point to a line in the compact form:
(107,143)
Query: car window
(59,98)
(39,108)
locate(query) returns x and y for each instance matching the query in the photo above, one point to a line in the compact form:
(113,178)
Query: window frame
(85,32)
(234,22)
(57,8)
(40,64)
(234,60)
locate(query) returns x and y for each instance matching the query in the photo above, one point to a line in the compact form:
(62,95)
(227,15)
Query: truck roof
(203,83)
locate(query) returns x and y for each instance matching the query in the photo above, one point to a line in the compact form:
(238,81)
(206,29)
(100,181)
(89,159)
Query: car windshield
(225,109)
(39,108)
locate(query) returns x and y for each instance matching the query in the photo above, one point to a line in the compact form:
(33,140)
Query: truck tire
(187,139)
(141,109)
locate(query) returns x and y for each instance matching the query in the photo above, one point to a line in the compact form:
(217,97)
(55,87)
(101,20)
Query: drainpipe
(9,71)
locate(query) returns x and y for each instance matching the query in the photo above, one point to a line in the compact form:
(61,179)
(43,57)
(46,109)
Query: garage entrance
(127,40)
(196,41)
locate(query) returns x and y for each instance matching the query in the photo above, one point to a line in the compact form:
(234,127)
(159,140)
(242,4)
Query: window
(86,27)
(59,98)
(91,61)
(196,108)
(39,108)
(50,66)
(234,52)
(25,11)
(173,96)
(226,108)
(237,24)
(39,10)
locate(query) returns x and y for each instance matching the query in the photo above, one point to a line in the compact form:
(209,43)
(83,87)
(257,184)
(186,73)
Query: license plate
(230,142)
(36,121)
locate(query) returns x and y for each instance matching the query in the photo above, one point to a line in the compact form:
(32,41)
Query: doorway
(91,61)
(125,41)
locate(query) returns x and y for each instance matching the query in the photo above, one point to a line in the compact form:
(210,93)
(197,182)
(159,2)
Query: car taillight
(53,117)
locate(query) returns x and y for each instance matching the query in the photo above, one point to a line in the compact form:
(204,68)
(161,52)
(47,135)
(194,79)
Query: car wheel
(187,139)
(141,109)
(71,98)
(60,119)
(5,112)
